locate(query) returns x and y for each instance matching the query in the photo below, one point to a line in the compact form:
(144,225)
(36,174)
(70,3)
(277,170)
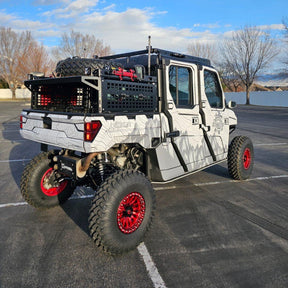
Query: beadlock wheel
(247,158)
(131,212)
(240,158)
(47,188)
(122,211)
(39,185)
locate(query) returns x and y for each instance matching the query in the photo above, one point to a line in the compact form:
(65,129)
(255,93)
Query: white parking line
(165,188)
(236,181)
(82,197)
(151,267)
(14,140)
(16,160)
(271,144)
(13,204)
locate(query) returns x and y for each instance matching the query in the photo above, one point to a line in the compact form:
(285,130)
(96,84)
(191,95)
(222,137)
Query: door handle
(205,128)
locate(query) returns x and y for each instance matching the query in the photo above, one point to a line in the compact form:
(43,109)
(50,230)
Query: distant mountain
(273,80)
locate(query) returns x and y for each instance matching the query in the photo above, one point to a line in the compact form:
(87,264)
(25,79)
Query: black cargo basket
(89,94)
(63,95)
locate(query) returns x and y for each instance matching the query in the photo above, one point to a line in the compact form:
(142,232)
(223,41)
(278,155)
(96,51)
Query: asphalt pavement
(209,231)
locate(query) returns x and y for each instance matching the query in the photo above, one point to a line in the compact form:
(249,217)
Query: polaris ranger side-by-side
(122,122)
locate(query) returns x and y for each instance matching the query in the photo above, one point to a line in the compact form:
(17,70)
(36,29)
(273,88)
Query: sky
(125,25)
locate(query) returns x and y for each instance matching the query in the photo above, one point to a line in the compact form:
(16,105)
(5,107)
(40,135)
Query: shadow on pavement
(21,153)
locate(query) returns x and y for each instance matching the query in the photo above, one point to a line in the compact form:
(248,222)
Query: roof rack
(162,53)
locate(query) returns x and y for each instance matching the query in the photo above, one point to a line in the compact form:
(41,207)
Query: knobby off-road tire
(36,188)
(122,211)
(240,158)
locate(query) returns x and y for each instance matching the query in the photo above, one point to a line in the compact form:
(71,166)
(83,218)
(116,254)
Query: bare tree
(210,51)
(36,59)
(13,48)
(20,54)
(77,44)
(285,23)
(228,77)
(203,50)
(285,60)
(249,51)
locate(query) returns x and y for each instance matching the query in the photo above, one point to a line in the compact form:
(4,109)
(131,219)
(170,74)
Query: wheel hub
(131,212)
(246,158)
(49,185)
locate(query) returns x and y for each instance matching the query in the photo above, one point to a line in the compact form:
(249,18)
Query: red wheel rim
(246,158)
(47,189)
(131,212)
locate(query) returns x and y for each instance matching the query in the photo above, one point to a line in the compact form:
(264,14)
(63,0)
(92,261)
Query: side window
(212,89)
(180,85)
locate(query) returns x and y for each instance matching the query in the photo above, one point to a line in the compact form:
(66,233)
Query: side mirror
(231,104)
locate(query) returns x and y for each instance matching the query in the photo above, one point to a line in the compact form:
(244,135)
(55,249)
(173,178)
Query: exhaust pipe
(83,164)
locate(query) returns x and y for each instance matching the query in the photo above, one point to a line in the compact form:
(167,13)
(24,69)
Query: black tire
(122,211)
(35,186)
(240,158)
(76,66)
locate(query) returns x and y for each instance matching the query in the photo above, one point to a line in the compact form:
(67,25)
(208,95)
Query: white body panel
(68,132)
(169,164)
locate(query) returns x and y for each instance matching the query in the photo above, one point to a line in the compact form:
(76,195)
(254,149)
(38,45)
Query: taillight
(91,129)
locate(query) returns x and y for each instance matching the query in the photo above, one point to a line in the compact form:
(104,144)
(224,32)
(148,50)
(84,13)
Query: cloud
(129,30)
(125,30)
(48,2)
(19,24)
(272,27)
(208,25)
(40,30)
(72,9)
(110,7)
(5,18)
(275,30)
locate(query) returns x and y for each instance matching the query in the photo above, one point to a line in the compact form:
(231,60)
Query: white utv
(122,122)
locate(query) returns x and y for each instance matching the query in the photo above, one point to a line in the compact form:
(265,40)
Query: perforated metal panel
(128,96)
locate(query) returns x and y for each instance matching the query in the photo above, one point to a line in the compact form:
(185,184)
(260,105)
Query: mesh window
(65,98)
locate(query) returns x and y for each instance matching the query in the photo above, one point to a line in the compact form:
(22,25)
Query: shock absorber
(102,160)
(100,166)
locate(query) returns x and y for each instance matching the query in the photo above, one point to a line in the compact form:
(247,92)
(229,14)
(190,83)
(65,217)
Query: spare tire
(77,66)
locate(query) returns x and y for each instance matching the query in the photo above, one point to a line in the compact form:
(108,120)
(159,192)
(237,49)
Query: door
(215,121)
(183,106)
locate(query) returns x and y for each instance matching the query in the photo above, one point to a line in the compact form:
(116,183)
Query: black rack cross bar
(162,53)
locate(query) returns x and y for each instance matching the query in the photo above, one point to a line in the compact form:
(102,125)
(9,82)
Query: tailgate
(58,130)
